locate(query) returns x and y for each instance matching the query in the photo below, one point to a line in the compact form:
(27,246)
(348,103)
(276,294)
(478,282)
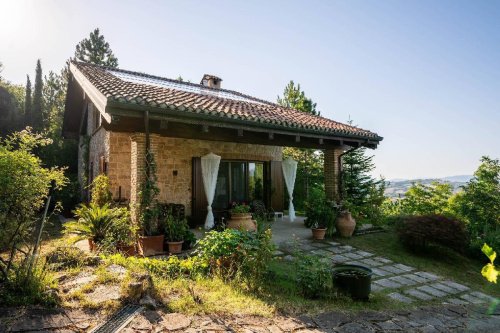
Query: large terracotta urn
(345,224)
(242,221)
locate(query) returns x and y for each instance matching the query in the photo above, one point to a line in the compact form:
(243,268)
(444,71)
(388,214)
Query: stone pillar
(137,170)
(332,173)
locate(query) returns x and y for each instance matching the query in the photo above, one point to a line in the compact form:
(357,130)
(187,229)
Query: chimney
(211,81)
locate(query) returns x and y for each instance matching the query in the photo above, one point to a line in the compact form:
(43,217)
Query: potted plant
(151,241)
(354,280)
(318,231)
(241,218)
(124,233)
(175,229)
(93,223)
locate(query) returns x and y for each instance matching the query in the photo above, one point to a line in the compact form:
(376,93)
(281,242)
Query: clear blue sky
(423,74)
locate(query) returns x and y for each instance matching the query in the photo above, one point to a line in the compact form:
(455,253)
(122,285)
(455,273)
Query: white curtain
(209,169)
(289,167)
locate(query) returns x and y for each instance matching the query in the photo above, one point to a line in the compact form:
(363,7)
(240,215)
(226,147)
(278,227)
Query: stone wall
(175,154)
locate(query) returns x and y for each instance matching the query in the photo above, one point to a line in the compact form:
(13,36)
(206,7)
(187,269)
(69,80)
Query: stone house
(117,114)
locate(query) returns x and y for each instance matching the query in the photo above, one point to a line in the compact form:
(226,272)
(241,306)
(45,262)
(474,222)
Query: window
(239,181)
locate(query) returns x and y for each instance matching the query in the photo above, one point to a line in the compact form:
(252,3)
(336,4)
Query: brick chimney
(211,81)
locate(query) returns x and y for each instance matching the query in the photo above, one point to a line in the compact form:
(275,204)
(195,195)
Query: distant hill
(396,188)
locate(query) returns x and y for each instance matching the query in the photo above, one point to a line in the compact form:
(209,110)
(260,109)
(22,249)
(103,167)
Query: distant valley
(396,188)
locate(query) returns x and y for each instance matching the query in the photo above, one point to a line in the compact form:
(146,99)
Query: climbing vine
(148,210)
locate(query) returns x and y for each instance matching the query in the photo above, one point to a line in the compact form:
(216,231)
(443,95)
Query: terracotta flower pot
(175,247)
(318,233)
(242,221)
(127,250)
(151,245)
(345,224)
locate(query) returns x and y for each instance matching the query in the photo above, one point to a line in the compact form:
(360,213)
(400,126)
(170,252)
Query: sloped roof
(133,88)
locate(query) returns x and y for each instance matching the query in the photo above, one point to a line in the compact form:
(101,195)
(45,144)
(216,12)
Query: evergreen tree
(27,104)
(310,161)
(37,111)
(96,50)
(362,194)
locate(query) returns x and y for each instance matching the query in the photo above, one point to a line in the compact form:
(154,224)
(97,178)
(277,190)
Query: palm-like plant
(93,222)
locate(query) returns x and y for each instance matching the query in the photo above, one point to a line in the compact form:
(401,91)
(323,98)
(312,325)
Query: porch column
(332,173)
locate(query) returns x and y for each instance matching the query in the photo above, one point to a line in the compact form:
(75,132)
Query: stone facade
(173,157)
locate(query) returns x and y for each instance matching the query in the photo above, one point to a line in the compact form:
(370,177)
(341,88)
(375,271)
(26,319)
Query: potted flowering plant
(175,230)
(241,218)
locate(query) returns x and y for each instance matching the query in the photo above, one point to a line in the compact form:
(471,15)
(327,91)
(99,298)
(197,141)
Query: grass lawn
(443,262)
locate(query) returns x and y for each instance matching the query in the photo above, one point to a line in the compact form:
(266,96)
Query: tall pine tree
(37,114)
(310,166)
(28,121)
(362,194)
(96,50)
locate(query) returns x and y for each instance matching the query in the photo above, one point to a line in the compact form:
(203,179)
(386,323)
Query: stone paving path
(402,283)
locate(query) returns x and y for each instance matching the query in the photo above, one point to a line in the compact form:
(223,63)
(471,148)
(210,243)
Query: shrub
(417,232)
(66,256)
(314,277)
(234,253)
(320,212)
(101,195)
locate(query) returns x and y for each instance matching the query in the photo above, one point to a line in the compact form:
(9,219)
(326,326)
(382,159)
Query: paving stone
(388,283)
(428,276)
(307,247)
(416,278)
(175,321)
(432,291)
(352,255)
(388,325)
(356,327)
(380,272)
(418,294)
(444,288)
(333,243)
(457,301)
(322,253)
(473,299)
(376,287)
(402,280)
(404,267)
(339,258)
(371,263)
(454,285)
(289,258)
(278,253)
(347,247)
(400,297)
(364,254)
(383,260)
(338,250)
(392,269)
(481,295)
(354,262)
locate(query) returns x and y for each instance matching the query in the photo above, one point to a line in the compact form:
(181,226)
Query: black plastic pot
(354,280)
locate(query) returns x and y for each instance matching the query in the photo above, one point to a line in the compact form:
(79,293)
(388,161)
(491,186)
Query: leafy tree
(362,194)
(423,199)
(310,161)
(1,70)
(96,50)
(27,103)
(37,111)
(11,107)
(479,203)
(25,185)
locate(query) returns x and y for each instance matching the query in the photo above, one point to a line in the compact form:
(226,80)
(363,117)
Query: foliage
(320,212)
(314,277)
(101,194)
(96,50)
(479,203)
(362,194)
(25,186)
(489,271)
(11,108)
(232,253)
(66,257)
(310,161)
(417,232)
(28,102)
(421,199)
(149,211)
(37,116)
(175,228)
(240,208)
(106,226)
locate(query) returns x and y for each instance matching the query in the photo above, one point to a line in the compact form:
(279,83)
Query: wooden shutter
(102,165)
(277,186)
(199,199)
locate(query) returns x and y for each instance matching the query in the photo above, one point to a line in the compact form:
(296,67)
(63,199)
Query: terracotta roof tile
(138,88)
